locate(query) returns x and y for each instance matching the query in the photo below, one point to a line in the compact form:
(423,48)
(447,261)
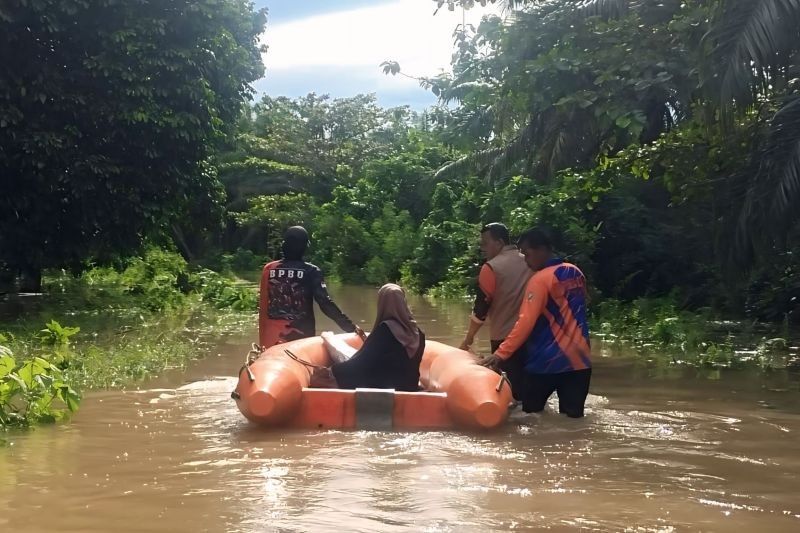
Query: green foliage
(33,391)
(242,261)
(445,251)
(57,335)
(366,174)
(145,346)
(657,327)
(342,242)
(108,114)
(659,139)
(219,291)
(552,88)
(158,279)
(148,314)
(273,214)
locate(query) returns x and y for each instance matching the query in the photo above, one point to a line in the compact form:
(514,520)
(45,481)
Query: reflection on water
(654,454)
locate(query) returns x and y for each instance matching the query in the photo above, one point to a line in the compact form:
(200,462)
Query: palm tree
(540,123)
(757,48)
(753,69)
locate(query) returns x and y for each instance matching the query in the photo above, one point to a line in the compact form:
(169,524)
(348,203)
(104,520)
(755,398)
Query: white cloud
(361,39)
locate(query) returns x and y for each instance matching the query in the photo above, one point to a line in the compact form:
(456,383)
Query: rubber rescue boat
(457,393)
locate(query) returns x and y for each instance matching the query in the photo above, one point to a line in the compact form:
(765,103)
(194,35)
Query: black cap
(295,242)
(296,234)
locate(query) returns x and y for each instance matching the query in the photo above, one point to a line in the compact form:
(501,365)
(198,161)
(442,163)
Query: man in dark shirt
(289,288)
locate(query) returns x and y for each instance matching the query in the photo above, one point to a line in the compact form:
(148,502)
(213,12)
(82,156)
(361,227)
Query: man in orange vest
(501,284)
(551,331)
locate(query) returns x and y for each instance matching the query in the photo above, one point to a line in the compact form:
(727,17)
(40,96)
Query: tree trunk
(6,280)
(30,279)
(183,246)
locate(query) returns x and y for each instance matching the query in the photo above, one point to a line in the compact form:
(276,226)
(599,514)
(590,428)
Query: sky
(336,47)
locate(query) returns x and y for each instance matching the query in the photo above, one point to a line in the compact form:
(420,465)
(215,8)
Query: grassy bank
(111,327)
(659,328)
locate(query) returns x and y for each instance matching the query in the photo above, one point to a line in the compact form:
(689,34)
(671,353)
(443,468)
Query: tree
(554,88)
(756,55)
(108,113)
(271,215)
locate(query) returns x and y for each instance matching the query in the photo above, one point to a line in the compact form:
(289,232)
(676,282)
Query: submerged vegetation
(658,329)
(32,391)
(126,324)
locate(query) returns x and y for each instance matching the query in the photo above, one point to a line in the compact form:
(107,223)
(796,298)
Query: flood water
(659,450)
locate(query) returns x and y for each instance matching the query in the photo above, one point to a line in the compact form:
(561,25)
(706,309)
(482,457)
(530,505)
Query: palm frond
(556,142)
(651,11)
(514,151)
(557,150)
(607,9)
(784,152)
(773,195)
(458,91)
(468,164)
(492,162)
(751,39)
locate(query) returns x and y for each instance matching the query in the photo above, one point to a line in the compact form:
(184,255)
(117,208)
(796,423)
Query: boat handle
(503,379)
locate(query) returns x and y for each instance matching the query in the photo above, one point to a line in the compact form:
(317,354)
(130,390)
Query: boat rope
(253,355)
(249,359)
(309,366)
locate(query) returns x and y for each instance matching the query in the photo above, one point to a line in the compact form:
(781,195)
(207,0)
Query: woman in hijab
(390,357)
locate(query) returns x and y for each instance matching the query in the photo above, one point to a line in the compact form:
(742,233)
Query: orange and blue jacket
(552,333)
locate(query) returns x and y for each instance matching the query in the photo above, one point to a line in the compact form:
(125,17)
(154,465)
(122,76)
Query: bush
(440,246)
(223,293)
(33,391)
(658,326)
(158,279)
(375,271)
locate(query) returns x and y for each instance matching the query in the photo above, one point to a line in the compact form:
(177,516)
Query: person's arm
(483,300)
(263,305)
(327,305)
(472,330)
(533,302)
(530,310)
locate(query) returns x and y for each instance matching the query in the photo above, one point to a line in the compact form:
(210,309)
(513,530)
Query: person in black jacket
(289,288)
(389,358)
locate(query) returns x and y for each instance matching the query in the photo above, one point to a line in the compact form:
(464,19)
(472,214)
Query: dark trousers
(572,388)
(514,369)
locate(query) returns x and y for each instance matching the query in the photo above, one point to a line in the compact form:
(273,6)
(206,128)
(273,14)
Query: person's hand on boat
(491,362)
(466,344)
(360,333)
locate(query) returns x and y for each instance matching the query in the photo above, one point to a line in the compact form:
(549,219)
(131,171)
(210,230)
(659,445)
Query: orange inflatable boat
(273,391)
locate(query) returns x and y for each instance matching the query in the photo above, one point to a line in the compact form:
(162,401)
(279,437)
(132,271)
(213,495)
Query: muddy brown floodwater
(658,451)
